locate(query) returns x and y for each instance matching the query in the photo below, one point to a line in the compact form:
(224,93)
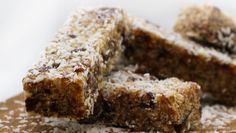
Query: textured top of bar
(208,54)
(208,24)
(77,45)
(144,84)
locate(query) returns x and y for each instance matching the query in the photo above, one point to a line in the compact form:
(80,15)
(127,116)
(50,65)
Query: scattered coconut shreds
(21,109)
(19,102)
(177,40)
(75,45)
(22,121)
(16,130)
(11,112)
(7,117)
(217,116)
(213,116)
(3,108)
(25,131)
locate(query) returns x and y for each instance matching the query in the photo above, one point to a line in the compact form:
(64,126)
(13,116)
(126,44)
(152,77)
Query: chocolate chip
(54,52)
(55,65)
(150,95)
(99,17)
(105,57)
(131,79)
(147,100)
(79,69)
(112,81)
(72,36)
(44,68)
(78,49)
(82,49)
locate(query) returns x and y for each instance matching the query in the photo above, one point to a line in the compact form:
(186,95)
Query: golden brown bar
(64,82)
(144,103)
(167,54)
(14,118)
(209,26)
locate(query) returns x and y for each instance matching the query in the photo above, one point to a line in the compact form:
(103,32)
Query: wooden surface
(13,118)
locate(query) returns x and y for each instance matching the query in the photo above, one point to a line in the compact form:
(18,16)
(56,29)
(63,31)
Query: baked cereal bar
(166,54)
(64,82)
(13,118)
(209,26)
(144,103)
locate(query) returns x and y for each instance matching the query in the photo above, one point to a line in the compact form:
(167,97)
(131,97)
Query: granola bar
(167,54)
(64,82)
(144,103)
(209,26)
(13,118)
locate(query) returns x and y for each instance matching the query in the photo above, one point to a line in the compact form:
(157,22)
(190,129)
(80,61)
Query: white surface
(27,25)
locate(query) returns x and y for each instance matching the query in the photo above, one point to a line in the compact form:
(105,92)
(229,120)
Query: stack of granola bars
(106,66)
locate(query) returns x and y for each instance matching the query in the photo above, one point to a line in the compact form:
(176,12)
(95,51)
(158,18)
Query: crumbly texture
(165,54)
(144,103)
(64,82)
(14,118)
(209,26)
(217,116)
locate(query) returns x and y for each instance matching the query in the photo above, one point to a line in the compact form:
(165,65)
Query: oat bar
(64,82)
(209,26)
(144,103)
(167,54)
(13,118)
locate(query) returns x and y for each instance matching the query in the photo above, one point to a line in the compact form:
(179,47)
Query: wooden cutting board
(13,118)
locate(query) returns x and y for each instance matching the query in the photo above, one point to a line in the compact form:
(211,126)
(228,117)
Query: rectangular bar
(64,82)
(167,54)
(209,26)
(13,118)
(144,103)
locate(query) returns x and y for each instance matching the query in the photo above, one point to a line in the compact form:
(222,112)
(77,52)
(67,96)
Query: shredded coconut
(78,43)
(3,108)
(213,116)
(143,84)
(217,116)
(177,40)
(19,102)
